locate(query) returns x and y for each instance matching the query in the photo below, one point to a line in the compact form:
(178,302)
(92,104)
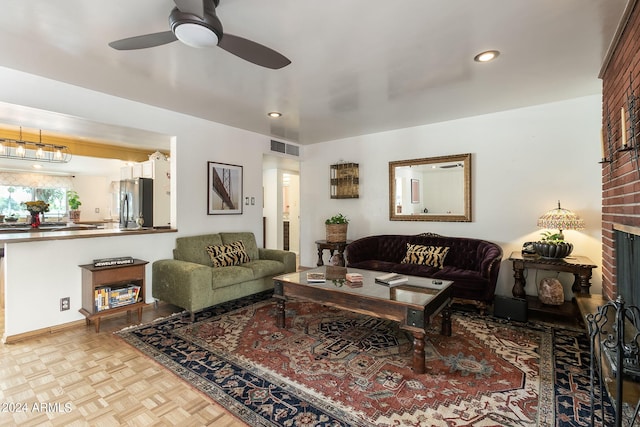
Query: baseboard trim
(12,339)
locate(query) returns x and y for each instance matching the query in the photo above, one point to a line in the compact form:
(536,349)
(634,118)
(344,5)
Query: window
(12,197)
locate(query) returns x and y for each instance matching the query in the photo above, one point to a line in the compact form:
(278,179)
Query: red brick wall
(621,177)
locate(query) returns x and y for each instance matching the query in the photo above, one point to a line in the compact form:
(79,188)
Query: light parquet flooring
(78,377)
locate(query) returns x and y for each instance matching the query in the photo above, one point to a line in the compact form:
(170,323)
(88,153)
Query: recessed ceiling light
(486,56)
(37,166)
(274,114)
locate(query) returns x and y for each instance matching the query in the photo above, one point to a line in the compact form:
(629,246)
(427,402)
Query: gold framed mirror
(431,189)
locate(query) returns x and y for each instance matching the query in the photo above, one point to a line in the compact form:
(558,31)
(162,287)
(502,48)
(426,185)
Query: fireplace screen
(628,267)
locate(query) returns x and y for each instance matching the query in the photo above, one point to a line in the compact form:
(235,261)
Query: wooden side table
(580,266)
(332,247)
(113,276)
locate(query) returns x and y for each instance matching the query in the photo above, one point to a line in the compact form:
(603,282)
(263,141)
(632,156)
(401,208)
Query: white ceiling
(358,66)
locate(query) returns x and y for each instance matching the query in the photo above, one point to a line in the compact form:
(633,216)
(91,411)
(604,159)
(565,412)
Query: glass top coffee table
(413,304)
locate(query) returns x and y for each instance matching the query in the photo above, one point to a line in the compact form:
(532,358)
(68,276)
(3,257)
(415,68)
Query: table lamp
(554,246)
(562,219)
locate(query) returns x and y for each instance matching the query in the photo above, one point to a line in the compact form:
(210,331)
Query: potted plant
(73,199)
(552,245)
(337,228)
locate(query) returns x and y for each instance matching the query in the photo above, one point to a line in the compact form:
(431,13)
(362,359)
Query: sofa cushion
(227,255)
(432,256)
(420,270)
(248,239)
(265,268)
(193,248)
(469,278)
(226,276)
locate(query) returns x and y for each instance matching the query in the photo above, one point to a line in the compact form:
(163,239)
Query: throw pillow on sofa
(228,255)
(427,255)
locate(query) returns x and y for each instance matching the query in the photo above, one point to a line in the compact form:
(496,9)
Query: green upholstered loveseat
(190,281)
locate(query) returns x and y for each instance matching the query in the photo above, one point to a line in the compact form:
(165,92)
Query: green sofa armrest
(182,283)
(286,257)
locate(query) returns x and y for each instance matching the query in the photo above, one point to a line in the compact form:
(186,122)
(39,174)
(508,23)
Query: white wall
(47,271)
(523,161)
(95,193)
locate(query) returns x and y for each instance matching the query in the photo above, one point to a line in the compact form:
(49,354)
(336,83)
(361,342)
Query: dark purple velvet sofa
(472,264)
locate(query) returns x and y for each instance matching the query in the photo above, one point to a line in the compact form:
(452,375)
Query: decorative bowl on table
(553,250)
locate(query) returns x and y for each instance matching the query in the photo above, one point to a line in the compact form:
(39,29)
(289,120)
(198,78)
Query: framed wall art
(224,189)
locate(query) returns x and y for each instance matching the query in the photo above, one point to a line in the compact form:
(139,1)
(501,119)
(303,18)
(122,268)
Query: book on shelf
(392,279)
(101,298)
(107,262)
(124,296)
(106,297)
(315,277)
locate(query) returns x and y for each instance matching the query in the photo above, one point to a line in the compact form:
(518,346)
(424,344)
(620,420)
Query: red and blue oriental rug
(335,368)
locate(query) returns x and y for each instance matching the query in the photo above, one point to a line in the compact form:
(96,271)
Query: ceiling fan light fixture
(196,35)
(486,56)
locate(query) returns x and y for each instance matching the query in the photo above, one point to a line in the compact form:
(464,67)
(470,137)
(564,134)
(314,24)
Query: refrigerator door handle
(124,210)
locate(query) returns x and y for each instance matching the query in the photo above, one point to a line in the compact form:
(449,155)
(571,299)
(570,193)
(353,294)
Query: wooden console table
(580,266)
(332,247)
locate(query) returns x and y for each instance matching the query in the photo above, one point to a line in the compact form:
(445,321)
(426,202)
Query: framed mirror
(431,189)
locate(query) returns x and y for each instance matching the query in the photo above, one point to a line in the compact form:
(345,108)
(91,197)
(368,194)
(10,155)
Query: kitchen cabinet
(126,172)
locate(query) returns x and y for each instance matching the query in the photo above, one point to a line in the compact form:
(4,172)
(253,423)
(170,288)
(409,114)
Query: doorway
(281,211)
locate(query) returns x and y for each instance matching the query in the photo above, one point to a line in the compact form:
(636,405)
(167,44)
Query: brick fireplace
(620,177)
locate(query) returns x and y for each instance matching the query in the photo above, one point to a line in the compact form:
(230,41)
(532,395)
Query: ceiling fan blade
(195,7)
(253,52)
(144,41)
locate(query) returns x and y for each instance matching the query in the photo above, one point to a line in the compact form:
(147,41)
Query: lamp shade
(561,219)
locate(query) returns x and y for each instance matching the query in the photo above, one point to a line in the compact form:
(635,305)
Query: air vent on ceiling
(281,147)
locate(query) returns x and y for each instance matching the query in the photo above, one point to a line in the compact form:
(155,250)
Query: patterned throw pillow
(427,255)
(228,255)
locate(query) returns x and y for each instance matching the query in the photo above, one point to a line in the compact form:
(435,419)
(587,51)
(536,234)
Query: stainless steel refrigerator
(136,201)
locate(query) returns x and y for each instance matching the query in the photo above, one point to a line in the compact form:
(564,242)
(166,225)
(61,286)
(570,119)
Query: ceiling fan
(194,22)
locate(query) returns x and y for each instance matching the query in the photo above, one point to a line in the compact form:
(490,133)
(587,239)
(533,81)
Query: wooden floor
(78,377)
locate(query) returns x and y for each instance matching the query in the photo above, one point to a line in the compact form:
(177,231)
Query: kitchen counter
(41,267)
(22,227)
(72,232)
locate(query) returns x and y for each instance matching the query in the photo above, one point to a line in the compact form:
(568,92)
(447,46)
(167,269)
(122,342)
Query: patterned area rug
(335,368)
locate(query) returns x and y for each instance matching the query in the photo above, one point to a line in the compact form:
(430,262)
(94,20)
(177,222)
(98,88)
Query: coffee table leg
(446,321)
(418,353)
(280,313)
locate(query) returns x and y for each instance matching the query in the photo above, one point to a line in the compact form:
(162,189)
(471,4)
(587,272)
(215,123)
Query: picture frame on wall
(224,189)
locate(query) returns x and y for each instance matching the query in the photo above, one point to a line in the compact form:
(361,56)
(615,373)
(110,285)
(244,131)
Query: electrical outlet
(97,210)
(65,303)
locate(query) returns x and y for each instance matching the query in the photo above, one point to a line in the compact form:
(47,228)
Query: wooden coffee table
(413,304)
